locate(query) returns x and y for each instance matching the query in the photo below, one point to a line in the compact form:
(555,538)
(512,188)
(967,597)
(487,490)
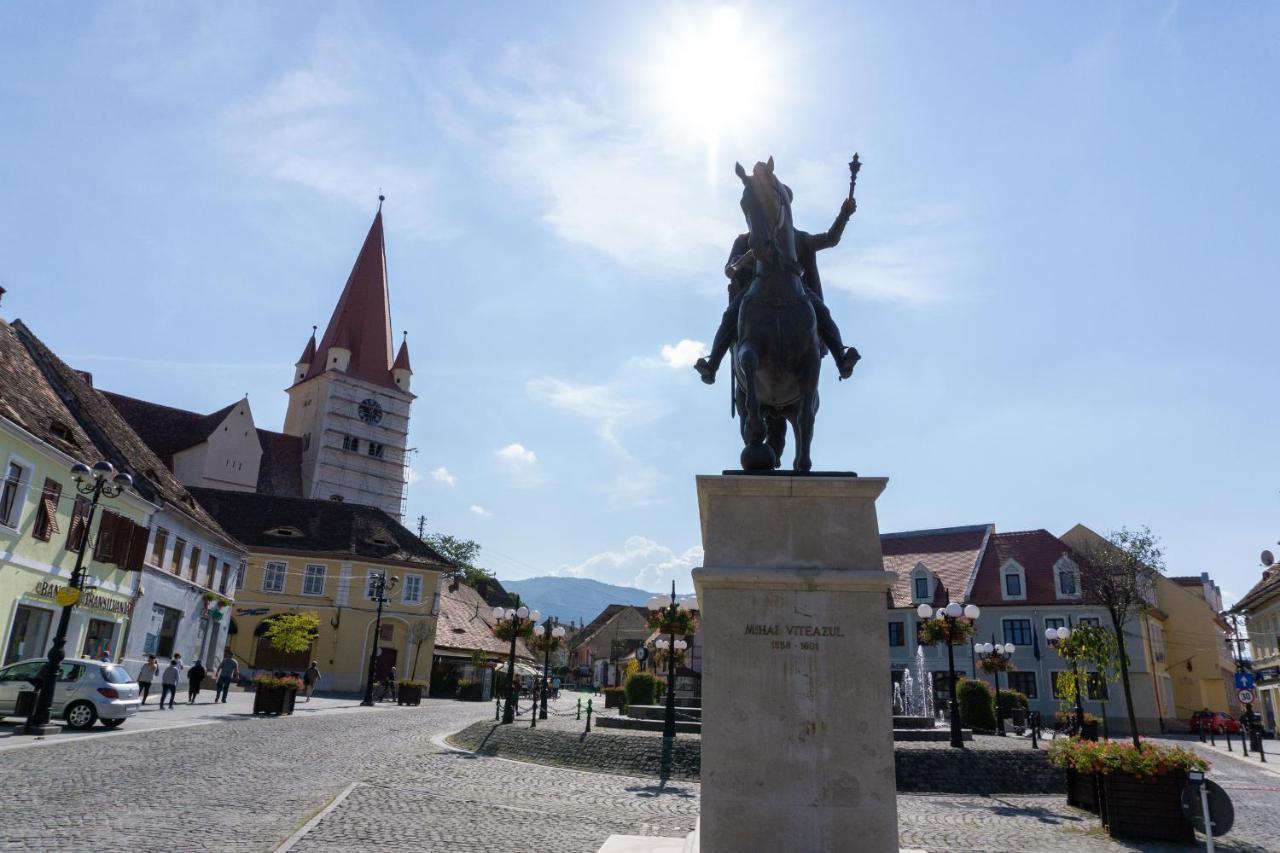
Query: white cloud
(683,354)
(640,562)
(518,455)
(442,475)
(481,511)
(412,475)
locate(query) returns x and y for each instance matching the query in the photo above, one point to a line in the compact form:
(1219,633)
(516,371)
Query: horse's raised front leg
(756,455)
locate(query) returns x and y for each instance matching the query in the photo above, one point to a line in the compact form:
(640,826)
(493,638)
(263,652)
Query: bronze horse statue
(778,354)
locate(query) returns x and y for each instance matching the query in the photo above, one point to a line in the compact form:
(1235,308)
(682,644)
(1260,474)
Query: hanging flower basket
(951,631)
(682,624)
(991,665)
(541,644)
(505,628)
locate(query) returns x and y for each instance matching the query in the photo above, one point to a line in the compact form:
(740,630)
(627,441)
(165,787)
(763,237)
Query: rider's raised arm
(831,236)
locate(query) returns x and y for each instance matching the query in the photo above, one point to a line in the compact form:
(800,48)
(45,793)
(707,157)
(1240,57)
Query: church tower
(349,400)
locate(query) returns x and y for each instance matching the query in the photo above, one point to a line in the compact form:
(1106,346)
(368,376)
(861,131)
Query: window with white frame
(240,573)
(313,580)
(1066,579)
(1024,683)
(412,589)
(1089,620)
(1013,582)
(13,491)
(921,584)
(370,585)
(1157,640)
(273,576)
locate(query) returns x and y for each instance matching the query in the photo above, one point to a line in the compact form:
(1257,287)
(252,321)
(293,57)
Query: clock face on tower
(370,411)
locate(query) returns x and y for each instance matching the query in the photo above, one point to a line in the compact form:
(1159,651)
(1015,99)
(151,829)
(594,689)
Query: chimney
(86,376)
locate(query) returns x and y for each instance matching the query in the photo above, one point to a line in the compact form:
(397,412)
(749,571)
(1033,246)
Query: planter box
(409,695)
(1084,791)
(1089,730)
(274,700)
(1148,807)
(615,698)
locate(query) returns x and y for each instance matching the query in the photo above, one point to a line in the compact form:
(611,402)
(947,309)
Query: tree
(419,633)
(1118,572)
(462,553)
(290,633)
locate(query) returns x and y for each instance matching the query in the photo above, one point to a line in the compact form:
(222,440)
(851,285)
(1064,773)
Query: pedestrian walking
(147,674)
(228,671)
(195,680)
(310,678)
(169,681)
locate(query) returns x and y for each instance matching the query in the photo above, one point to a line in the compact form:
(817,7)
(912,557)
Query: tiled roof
(1264,589)
(31,403)
(331,527)
(466,623)
(361,321)
(280,471)
(950,553)
(1036,551)
(167,430)
(99,430)
(606,617)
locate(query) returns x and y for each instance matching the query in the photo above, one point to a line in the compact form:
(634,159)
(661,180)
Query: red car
(1214,721)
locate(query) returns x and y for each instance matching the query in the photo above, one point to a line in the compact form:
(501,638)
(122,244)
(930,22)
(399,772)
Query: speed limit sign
(1245,696)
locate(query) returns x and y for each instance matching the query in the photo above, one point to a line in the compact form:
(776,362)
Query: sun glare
(714,80)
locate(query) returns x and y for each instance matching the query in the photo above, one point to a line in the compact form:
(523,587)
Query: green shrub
(1010,699)
(642,688)
(977,705)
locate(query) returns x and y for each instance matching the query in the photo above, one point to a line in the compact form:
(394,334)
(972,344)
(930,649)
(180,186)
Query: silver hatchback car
(87,691)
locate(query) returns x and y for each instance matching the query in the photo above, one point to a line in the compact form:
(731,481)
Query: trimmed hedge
(642,688)
(1010,699)
(977,705)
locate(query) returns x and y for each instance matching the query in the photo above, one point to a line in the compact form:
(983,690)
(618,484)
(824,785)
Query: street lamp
(670,616)
(950,614)
(549,635)
(997,657)
(1054,637)
(379,585)
(516,618)
(101,479)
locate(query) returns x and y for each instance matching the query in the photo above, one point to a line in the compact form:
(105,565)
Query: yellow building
(318,556)
(1198,659)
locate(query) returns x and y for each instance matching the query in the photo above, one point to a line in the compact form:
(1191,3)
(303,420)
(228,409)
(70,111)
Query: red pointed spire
(402,357)
(309,352)
(361,321)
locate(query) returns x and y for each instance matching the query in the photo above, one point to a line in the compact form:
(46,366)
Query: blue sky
(1061,273)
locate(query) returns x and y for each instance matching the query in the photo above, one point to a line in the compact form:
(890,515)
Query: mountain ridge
(573,599)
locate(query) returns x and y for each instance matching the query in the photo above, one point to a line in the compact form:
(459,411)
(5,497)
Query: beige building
(1261,610)
(1198,660)
(599,651)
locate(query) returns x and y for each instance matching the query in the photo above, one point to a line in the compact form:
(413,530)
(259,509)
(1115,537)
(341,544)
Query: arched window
(1013,581)
(922,584)
(1066,578)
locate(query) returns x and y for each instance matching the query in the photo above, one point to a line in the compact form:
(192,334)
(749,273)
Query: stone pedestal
(797,743)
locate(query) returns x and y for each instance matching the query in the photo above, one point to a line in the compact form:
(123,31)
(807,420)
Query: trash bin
(26,703)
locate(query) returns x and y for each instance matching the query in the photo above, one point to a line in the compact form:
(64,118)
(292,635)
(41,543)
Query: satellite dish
(1268,558)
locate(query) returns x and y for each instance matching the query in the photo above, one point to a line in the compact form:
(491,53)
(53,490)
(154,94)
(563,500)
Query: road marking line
(321,815)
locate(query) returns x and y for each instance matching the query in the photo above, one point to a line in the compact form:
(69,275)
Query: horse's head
(766,203)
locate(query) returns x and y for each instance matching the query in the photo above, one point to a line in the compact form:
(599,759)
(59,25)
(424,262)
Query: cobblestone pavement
(250,784)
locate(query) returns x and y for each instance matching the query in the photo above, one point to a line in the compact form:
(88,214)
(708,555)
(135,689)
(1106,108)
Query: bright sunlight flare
(714,78)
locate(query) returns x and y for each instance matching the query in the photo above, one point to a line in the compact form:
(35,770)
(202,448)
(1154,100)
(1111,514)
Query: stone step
(902,722)
(659,712)
(639,725)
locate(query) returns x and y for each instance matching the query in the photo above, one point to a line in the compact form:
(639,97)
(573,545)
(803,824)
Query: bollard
(579,708)
(1244,742)
(1035,728)
(1228,734)
(1201,727)
(588,715)
(497,709)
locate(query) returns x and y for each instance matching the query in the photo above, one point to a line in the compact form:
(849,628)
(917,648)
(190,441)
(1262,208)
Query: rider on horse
(741,269)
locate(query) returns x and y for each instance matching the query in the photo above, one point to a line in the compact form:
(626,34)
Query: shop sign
(45,589)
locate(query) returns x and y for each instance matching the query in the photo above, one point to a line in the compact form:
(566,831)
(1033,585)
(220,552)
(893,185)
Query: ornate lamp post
(1055,636)
(102,479)
(516,620)
(549,635)
(379,585)
(670,619)
(952,632)
(996,658)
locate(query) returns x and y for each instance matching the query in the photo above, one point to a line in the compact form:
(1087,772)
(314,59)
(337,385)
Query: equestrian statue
(776,325)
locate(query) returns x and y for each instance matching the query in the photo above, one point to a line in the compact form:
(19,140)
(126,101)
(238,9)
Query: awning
(522,668)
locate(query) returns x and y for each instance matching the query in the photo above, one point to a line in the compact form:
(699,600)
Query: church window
(350,442)
(306,441)
(376,449)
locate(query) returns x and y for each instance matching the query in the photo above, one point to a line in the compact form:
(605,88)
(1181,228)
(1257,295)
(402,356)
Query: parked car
(1214,721)
(87,691)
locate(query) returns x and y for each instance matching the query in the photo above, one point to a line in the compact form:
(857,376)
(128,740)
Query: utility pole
(422,527)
